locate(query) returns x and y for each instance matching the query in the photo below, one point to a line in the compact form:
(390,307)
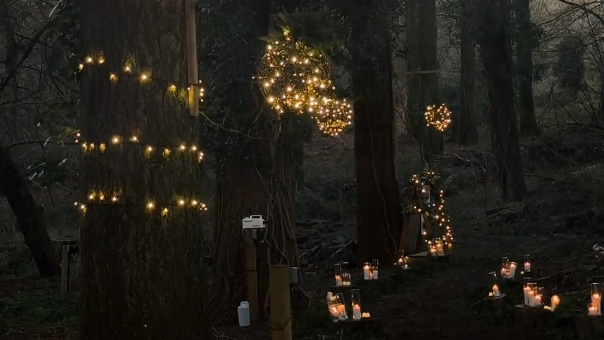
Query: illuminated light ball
(291,74)
(438,117)
(333,117)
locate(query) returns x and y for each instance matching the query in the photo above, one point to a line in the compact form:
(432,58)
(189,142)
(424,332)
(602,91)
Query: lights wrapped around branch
(333,116)
(172,87)
(101,198)
(166,151)
(429,185)
(293,76)
(438,117)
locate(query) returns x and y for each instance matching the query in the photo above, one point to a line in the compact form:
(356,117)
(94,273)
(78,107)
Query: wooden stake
(281,315)
(192,67)
(252,277)
(65,264)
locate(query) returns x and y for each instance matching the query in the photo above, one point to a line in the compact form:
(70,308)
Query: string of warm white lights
(438,117)
(333,117)
(100,198)
(150,150)
(173,87)
(293,76)
(434,211)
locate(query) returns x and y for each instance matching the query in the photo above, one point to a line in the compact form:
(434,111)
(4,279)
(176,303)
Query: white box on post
(253,222)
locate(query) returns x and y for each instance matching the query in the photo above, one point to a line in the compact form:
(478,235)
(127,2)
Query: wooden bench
(65,249)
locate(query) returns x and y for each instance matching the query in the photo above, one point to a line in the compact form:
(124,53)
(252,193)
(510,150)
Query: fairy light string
(438,117)
(334,117)
(295,77)
(433,210)
(112,197)
(173,87)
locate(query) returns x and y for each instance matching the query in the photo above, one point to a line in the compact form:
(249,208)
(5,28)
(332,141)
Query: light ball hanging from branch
(333,116)
(438,117)
(293,75)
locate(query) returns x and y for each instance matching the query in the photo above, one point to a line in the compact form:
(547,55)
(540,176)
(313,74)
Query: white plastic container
(243,313)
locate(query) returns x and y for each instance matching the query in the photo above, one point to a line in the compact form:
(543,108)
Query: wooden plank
(192,67)
(65,269)
(281,315)
(252,276)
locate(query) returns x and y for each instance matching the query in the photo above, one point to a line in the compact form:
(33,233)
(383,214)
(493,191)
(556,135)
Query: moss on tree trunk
(142,274)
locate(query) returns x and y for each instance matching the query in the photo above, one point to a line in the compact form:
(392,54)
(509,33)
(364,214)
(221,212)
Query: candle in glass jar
(531,298)
(367,271)
(495,290)
(356,312)
(592,310)
(512,270)
(439,249)
(595,301)
(432,250)
(334,312)
(537,301)
(338,280)
(555,302)
(526,291)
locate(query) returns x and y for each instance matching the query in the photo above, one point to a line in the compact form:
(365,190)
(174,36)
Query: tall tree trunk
(496,57)
(423,71)
(30,219)
(260,186)
(467,133)
(379,221)
(525,43)
(142,273)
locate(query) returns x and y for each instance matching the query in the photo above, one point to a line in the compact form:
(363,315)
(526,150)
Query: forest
(321,169)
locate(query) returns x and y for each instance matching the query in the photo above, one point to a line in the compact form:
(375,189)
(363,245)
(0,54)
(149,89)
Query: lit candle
(555,302)
(531,298)
(338,280)
(526,291)
(527,267)
(537,301)
(512,270)
(341,311)
(592,310)
(334,312)
(375,274)
(356,312)
(367,271)
(432,250)
(365,315)
(495,290)
(595,301)
(439,249)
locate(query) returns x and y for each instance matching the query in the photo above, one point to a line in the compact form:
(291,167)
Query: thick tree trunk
(496,56)
(379,220)
(260,186)
(528,120)
(467,133)
(30,219)
(142,273)
(423,76)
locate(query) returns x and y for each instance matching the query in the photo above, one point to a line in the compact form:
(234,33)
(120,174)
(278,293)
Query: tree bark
(379,220)
(260,186)
(524,38)
(467,133)
(422,32)
(30,219)
(142,273)
(496,57)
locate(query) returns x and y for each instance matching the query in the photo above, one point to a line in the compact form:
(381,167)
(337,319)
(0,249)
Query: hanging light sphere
(293,76)
(438,117)
(333,116)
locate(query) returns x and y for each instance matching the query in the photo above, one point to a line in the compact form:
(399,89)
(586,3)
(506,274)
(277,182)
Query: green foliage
(569,69)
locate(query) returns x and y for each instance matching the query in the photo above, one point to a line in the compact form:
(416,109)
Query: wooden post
(252,276)
(65,269)
(192,67)
(281,314)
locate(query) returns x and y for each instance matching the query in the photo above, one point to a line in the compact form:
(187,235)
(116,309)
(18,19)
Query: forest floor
(437,304)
